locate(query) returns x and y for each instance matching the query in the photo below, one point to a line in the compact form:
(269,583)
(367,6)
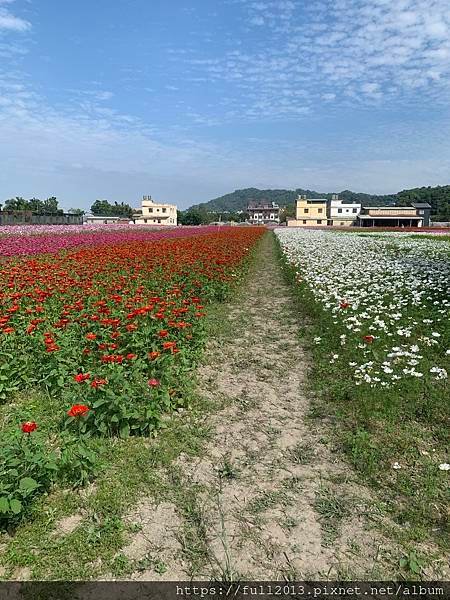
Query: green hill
(438,197)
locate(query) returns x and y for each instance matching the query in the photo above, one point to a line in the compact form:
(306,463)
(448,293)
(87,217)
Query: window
(164,209)
(342,223)
(304,221)
(320,210)
(319,221)
(157,210)
(421,212)
(331,222)
(145,220)
(306,210)
(150,210)
(159,220)
(339,210)
(355,210)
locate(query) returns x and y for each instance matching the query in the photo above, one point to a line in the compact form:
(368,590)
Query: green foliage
(78,463)
(27,469)
(106,209)
(48,206)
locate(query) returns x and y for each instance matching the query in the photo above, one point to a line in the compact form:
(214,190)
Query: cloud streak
(9,22)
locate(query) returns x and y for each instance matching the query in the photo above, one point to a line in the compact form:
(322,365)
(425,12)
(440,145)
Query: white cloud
(364,50)
(9,22)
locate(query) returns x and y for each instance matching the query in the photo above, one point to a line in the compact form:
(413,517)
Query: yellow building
(310,212)
(156,213)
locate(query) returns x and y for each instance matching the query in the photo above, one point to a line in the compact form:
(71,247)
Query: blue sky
(187,100)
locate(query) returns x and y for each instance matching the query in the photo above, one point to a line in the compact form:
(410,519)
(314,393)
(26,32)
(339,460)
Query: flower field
(379,330)
(97,342)
(29,240)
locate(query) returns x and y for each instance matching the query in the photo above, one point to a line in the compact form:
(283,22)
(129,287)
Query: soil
(276,500)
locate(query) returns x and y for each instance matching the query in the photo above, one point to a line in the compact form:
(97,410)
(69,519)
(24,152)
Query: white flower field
(388,293)
(377,310)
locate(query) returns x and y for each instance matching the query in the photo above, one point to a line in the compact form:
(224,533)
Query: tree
(36,205)
(77,211)
(287,212)
(104,208)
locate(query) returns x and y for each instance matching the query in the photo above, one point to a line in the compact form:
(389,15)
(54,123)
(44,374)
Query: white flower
(439,372)
(396,466)
(444,467)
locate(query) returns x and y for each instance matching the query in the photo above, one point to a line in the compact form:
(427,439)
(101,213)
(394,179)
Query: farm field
(224,403)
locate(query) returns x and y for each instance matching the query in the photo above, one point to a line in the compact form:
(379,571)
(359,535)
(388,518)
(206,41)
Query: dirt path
(269,497)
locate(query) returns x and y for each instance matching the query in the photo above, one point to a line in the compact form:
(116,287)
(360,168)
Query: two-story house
(341,213)
(156,213)
(263,213)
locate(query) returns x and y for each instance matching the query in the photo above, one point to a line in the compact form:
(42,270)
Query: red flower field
(109,333)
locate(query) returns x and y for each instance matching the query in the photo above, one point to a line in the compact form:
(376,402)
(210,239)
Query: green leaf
(16,506)
(4,505)
(28,483)
(124,430)
(100,402)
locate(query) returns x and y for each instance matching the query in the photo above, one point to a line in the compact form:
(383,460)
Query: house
(263,213)
(310,212)
(341,213)
(416,215)
(156,213)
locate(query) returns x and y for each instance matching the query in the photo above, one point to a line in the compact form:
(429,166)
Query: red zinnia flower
(80,377)
(169,345)
(98,382)
(163,333)
(153,382)
(131,356)
(91,336)
(78,410)
(153,355)
(29,426)
(368,339)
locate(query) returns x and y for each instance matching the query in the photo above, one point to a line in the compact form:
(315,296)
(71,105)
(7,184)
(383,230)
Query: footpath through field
(269,496)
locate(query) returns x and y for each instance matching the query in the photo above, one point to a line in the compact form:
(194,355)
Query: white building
(341,213)
(156,213)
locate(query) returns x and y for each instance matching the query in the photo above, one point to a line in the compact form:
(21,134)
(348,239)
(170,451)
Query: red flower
(78,410)
(29,426)
(153,382)
(368,339)
(153,355)
(91,336)
(344,305)
(131,356)
(80,377)
(163,333)
(98,382)
(169,345)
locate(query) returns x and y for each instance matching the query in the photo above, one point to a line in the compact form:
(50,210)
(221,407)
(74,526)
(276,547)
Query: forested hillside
(438,197)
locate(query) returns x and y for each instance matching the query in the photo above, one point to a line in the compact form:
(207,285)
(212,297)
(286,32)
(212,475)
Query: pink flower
(154,382)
